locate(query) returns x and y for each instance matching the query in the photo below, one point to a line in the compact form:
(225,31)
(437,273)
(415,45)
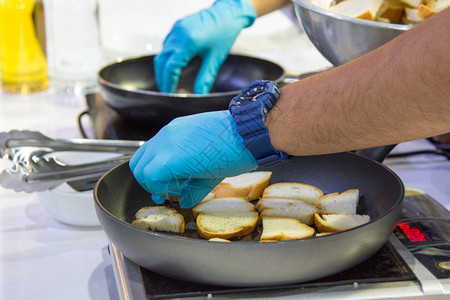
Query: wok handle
(376,153)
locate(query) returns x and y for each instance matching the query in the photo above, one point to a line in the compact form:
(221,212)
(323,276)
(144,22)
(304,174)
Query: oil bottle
(23,60)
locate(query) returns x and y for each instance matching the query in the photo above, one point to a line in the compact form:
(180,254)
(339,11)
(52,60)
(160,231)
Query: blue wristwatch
(249,110)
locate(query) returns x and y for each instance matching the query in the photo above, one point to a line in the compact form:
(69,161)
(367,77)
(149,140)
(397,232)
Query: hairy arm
(396,93)
(263,7)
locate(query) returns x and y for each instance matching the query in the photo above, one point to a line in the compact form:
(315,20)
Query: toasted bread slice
(223,205)
(218,240)
(226,226)
(249,186)
(335,203)
(323,233)
(292,190)
(339,222)
(159,218)
(361,9)
(282,229)
(288,208)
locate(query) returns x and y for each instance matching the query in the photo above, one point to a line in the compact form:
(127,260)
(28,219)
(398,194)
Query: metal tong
(33,170)
(12,141)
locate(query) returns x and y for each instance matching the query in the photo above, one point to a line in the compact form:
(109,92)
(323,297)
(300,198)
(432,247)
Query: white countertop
(42,258)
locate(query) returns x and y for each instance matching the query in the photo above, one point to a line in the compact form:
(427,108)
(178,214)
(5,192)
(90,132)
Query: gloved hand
(190,156)
(209,34)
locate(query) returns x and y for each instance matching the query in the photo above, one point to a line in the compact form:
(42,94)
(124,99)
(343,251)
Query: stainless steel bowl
(339,38)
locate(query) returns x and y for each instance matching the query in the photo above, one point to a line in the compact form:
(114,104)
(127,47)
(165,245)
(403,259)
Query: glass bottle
(22,46)
(73,44)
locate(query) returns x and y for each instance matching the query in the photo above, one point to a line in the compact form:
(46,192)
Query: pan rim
(392,209)
(106,83)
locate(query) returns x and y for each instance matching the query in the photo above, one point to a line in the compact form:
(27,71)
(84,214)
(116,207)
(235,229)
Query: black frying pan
(250,263)
(130,88)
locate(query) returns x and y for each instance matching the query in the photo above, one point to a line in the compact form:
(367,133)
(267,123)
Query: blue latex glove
(190,156)
(209,34)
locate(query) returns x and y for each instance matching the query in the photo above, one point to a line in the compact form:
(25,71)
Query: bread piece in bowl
(424,12)
(441,5)
(410,3)
(361,9)
(392,10)
(410,16)
(325,4)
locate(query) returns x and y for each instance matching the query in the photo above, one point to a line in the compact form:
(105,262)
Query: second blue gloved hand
(190,156)
(209,34)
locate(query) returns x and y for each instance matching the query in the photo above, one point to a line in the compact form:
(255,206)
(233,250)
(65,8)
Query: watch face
(255,91)
(251,95)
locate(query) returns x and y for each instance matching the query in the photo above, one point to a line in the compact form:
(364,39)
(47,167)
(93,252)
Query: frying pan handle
(376,153)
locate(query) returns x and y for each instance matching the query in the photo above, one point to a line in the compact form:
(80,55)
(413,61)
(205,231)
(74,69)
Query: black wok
(129,87)
(250,263)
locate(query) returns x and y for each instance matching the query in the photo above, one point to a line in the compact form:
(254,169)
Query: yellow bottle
(22,46)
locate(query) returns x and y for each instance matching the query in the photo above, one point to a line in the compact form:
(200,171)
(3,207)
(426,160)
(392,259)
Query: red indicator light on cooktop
(413,232)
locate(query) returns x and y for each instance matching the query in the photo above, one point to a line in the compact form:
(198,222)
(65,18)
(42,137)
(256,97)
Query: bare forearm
(263,7)
(399,92)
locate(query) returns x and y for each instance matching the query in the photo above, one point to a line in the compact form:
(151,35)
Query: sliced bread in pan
(344,203)
(226,225)
(305,192)
(223,205)
(288,208)
(159,218)
(339,222)
(282,229)
(249,186)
